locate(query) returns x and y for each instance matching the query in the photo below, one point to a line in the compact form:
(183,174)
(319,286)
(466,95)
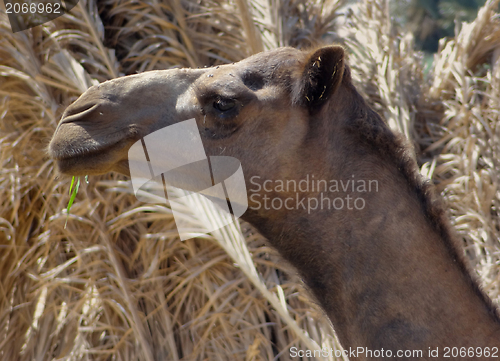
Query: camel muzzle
(96,131)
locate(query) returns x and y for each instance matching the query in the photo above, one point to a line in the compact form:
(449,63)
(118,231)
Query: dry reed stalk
(466,81)
(117,283)
(385,65)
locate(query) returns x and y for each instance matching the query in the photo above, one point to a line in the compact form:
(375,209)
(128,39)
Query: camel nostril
(74,108)
(75,113)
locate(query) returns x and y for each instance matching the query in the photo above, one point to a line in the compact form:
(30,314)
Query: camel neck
(384,274)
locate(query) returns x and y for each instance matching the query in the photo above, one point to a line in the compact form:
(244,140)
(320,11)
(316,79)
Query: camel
(389,271)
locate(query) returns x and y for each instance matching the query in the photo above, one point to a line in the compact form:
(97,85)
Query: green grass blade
(73,193)
(72,183)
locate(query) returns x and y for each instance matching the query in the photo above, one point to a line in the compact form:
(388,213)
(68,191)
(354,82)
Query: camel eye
(224,105)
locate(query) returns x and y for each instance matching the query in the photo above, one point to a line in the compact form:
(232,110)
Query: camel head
(257,110)
(286,115)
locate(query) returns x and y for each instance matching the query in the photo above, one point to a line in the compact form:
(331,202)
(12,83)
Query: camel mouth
(67,151)
(92,160)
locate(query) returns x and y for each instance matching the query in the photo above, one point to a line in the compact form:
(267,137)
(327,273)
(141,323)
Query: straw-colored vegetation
(117,284)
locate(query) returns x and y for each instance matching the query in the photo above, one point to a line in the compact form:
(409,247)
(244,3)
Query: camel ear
(321,76)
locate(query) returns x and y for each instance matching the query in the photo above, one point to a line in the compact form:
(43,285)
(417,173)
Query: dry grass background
(117,284)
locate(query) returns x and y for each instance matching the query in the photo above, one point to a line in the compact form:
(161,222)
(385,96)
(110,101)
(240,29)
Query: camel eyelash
(222,108)
(224,104)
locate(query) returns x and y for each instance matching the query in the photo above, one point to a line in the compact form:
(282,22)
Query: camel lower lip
(85,153)
(77,165)
(84,162)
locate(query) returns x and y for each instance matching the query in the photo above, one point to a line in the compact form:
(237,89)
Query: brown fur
(390,275)
(372,130)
